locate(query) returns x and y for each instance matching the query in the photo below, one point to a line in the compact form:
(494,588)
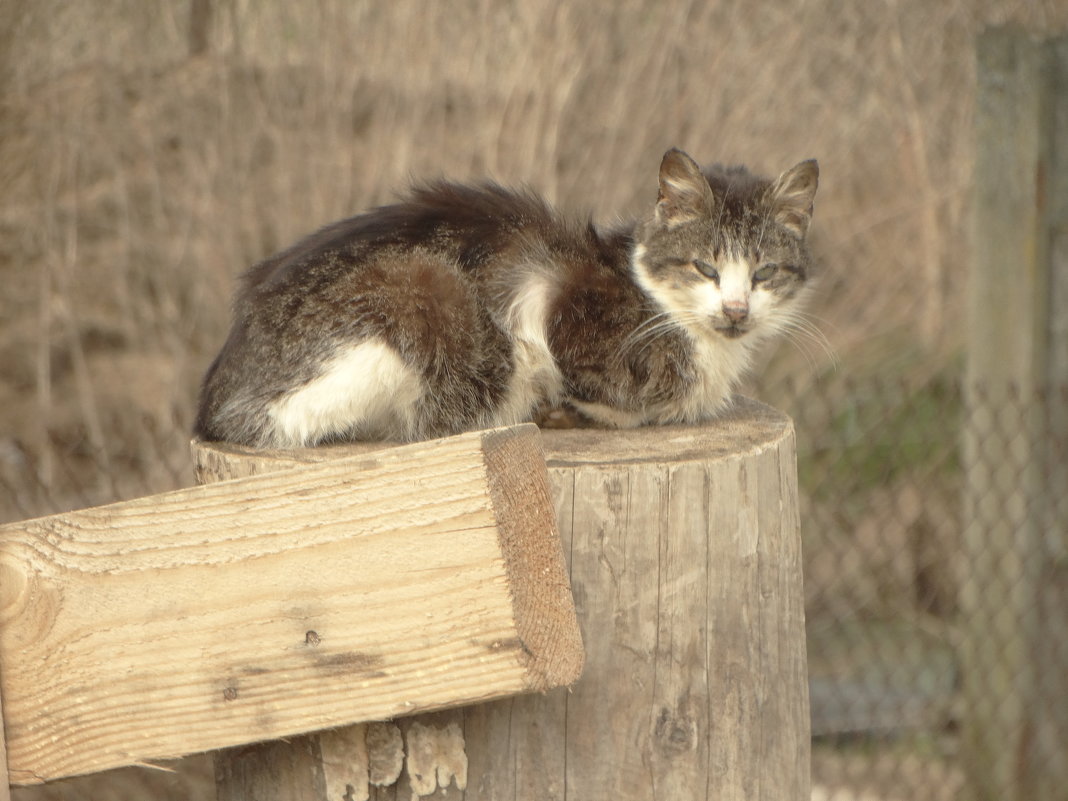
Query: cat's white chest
(718,363)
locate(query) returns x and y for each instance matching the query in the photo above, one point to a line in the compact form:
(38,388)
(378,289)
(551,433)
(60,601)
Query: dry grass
(140,180)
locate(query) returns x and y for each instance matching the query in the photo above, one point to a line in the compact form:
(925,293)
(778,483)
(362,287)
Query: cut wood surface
(355,589)
(683,546)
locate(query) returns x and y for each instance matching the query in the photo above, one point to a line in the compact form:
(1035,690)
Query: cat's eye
(706,269)
(765,272)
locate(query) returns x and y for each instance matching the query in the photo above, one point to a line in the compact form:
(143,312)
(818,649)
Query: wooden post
(1015,439)
(684,553)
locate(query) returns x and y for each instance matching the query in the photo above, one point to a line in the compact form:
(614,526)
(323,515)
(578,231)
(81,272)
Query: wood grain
(348,590)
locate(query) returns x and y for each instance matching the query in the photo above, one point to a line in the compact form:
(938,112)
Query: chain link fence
(936,582)
(935,538)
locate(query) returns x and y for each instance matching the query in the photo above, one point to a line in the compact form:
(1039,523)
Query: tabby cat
(470,306)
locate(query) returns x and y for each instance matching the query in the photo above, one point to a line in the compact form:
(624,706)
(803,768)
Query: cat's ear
(792,195)
(684,192)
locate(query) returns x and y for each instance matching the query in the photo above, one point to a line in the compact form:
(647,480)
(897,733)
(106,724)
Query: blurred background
(149,153)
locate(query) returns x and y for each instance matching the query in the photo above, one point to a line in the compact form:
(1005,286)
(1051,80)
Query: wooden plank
(350,590)
(1016,430)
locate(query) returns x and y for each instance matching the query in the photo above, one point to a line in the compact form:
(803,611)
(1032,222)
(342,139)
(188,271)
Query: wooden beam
(349,590)
(1015,602)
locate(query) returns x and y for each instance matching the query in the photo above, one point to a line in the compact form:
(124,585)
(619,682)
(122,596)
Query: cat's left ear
(792,196)
(684,192)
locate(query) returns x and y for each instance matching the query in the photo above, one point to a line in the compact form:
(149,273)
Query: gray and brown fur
(464,307)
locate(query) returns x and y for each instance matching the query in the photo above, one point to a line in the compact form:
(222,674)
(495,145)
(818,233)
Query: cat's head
(724,251)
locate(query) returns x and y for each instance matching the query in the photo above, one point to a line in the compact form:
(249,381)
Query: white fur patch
(718,361)
(734,284)
(641,274)
(366,387)
(609,416)
(536,374)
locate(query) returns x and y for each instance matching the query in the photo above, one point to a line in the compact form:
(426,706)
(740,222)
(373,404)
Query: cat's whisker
(652,328)
(641,330)
(805,322)
(800,330)
(647,329)
(650,335)
(800,343)
(800,339)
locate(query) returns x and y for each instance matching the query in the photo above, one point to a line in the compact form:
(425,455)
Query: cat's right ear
(684,192)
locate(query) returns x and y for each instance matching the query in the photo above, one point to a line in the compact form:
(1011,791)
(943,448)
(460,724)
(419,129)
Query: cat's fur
(464,307)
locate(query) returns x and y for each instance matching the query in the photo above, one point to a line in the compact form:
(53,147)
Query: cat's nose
(736,312)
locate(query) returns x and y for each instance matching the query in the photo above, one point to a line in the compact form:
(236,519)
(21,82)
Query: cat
(472,306)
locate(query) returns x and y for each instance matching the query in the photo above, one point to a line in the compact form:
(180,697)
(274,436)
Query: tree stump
(684,553)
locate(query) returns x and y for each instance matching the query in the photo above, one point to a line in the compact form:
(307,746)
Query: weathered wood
(706,662)
(1016,428)
(355,589)
(684,553)
(290,769)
